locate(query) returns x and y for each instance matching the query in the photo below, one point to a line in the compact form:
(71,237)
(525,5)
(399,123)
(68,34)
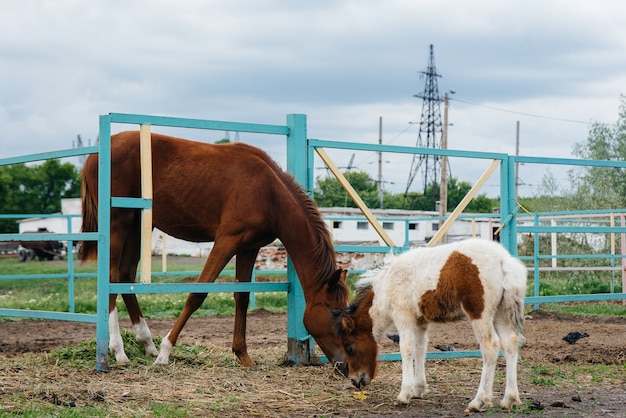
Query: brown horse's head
(353,325)
(319,318)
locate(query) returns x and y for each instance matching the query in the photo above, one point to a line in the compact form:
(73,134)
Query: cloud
(343,63)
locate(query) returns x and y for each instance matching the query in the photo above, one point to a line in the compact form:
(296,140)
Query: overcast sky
(555,66)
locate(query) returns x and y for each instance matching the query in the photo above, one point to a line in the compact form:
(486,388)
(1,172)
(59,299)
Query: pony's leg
(420,358)
(219,256)
(509,341)
(412,351)
(489,347)
(243,271)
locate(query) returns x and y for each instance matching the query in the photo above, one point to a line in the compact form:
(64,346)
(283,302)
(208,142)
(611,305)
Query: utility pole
(443,187)
(517,182)
(380,162)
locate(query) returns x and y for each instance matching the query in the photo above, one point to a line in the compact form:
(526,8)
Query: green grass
(52,294)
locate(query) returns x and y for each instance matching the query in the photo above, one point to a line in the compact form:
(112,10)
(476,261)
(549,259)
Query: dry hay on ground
(204,379)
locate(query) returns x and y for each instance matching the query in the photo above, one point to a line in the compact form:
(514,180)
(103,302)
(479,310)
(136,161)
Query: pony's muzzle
(360,380)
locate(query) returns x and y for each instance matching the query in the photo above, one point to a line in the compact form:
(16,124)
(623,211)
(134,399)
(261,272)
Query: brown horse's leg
(121,225)
(244,267)
(128,273)
(116,345)
(218,258)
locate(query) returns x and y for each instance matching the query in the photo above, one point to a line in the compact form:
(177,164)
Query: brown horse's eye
(349,349)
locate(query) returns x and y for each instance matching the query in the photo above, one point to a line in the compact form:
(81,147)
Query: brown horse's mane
(323,251)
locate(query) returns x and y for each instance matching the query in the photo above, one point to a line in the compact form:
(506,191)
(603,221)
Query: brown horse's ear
(338,276)
(347,324)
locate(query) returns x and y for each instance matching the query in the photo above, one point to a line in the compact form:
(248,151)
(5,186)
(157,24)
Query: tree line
(35,189)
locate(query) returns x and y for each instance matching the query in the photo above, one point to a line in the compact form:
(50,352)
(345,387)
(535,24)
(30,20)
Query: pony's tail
(514,285)
(88,250)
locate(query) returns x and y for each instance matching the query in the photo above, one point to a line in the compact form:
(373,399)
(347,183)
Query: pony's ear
(338,276)
(347,324)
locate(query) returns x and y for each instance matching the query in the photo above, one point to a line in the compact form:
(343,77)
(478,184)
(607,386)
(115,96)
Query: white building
(347,226)
(58,225)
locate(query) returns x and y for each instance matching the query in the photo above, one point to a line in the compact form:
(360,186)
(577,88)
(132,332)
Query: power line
(532,115)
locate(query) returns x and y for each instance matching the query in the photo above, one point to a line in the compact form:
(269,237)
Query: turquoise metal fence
(300,158)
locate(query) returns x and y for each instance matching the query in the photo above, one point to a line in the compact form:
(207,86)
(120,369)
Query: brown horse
(234,195)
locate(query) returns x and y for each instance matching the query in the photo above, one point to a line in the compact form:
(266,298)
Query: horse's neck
(308,251)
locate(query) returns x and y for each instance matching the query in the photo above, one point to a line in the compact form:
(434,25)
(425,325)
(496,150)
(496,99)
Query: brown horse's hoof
(245,360)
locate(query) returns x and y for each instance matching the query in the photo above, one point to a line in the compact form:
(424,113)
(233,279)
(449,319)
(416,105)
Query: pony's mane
(368,278)
(364,296)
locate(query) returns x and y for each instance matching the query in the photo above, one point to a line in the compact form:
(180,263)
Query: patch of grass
(82,355)
(545,376)
(574,284)
(598,308)
(161,410)
(53,294)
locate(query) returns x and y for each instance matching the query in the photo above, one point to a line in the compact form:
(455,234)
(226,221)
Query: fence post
(104,244)
(300,344)
(508,234)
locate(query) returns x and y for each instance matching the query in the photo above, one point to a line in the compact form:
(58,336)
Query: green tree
(36,189)
(601,187)
(456,192)
(330,193)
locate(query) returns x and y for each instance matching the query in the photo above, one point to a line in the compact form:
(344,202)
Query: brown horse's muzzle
(342,367)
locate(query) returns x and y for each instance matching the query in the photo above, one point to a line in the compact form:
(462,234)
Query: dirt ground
(544,332)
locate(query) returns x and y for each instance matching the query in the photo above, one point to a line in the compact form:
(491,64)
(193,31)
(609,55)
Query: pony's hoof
(405,396)
(478,405)
(160,362)
(509,402)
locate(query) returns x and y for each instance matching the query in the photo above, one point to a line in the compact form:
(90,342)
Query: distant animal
(396,339)
(574,336)
(474,278)
(441,347)
(232,194)
(44,250)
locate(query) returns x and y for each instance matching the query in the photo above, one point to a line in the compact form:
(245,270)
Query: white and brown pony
(477,279)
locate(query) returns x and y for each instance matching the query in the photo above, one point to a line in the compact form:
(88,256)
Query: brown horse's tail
(88,250)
